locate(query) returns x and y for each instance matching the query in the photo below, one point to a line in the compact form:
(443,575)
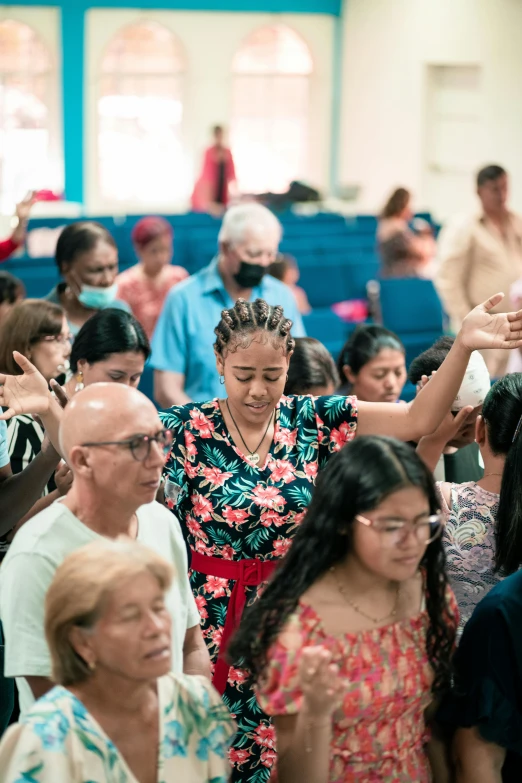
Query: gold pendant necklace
(253,456)
(356,608)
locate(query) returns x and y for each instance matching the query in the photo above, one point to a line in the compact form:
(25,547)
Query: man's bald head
(105,411)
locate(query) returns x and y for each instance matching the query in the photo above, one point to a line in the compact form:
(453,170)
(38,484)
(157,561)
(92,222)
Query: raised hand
(27,393)
(59,393)
(23,209)
(63,478)
(319,681)
(482,329)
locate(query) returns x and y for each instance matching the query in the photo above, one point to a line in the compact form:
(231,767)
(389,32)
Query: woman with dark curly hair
(352,639)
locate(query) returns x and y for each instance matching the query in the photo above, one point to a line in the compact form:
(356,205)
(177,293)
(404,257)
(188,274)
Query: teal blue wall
(73,61)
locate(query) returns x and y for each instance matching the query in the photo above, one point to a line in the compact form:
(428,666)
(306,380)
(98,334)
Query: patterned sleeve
(279,692)
(202,707)
(177,467)
(25,755)
(336,419)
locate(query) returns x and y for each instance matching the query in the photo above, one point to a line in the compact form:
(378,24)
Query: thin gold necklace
(253,456)
(342,589)
(491,474)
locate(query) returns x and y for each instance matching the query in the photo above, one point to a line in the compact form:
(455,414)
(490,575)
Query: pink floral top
(379,733)
(144,296)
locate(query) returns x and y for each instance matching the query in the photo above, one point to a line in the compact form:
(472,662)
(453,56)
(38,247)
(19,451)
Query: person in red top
(8,246)
(211,191)
(146,284)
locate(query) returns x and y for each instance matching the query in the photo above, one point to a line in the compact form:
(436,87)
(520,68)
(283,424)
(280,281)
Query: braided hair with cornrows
(239,324)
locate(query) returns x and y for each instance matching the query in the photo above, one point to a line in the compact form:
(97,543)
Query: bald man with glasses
(114,443)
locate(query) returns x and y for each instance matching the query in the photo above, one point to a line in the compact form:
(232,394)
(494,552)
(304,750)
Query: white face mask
(96,297)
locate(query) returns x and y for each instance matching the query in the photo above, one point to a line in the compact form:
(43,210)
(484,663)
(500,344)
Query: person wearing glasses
(115,446)
(242,468)
(352,639)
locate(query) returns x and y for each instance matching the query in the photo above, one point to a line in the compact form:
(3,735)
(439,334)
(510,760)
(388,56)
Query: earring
(92,666)
(222,379)
(79,381)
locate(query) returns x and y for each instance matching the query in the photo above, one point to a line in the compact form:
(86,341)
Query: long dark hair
(502,412)
(397,202)
(355,481)
(108,332)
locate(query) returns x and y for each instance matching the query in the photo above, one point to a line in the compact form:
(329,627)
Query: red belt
(246,573)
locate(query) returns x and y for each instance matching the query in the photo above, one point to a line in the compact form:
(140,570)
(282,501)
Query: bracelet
(312,724)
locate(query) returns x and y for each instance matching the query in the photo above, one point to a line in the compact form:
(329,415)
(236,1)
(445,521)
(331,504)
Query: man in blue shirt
(182,347)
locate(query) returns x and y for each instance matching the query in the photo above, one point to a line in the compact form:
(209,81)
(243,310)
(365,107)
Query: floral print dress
(379,731)
(58,741)
(233,510)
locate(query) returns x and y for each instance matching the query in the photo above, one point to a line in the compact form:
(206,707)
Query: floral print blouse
(379,731)
(469,543)
(233,510)
(60,742)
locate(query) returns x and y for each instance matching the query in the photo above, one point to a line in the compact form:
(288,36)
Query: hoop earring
(222,379)
(79,382)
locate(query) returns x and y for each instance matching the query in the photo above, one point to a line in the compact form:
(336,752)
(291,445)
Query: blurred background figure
(372,364)
(109,636)
(8,246)
(146,284)
(87,259)
(11,291)
(212,189)
(406,250)
(482,252)
(312,369)
(286,270)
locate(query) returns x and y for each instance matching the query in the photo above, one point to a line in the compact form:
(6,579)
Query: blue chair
(411,308)
(323,324)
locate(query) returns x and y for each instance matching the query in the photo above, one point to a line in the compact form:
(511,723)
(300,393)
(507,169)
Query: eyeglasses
(393,531)
(140,445)
(58,338)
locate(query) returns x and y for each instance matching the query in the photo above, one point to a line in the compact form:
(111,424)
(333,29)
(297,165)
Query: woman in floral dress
(117,714)
(353,637)
(483,523)
(242,469)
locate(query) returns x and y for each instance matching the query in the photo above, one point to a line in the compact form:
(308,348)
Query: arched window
(30,158)
(269,127)
(140,107)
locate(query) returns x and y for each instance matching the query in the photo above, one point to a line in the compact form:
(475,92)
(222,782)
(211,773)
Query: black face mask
(249,275)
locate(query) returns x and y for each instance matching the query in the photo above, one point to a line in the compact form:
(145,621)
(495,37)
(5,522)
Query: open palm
(482,329)
(27,393)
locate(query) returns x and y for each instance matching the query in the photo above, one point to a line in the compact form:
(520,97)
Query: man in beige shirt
(481,255)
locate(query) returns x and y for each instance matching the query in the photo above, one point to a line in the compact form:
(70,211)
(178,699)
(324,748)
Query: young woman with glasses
(351,640)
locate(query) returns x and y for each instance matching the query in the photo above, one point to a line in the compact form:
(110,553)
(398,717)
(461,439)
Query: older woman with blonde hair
(116,713)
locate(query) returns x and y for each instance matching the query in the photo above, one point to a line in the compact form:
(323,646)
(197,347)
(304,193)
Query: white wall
(210,41)
(387,47)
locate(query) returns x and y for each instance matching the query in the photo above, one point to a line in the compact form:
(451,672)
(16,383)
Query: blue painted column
(337,99)
(73,58)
